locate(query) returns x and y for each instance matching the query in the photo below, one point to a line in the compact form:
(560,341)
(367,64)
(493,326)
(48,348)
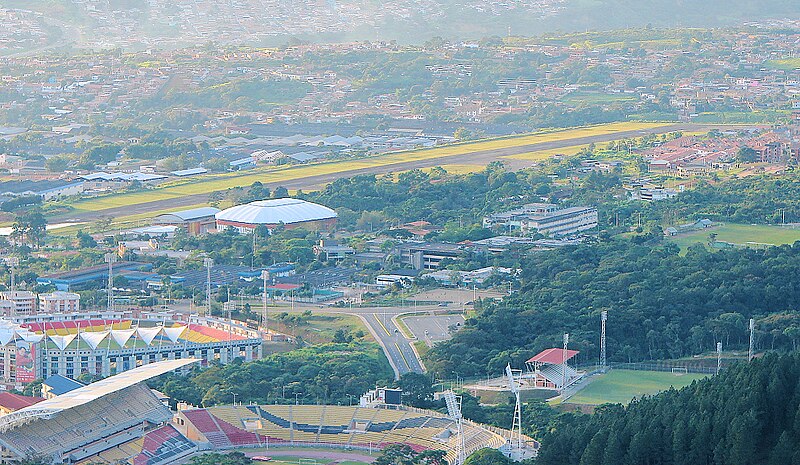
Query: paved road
(432,329)
(381,323)
(312,182)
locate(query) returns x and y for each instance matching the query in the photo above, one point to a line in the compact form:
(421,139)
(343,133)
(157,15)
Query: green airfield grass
(622,386)
(220,182)
(741,234)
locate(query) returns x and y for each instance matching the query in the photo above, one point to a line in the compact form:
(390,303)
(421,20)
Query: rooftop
(94,391)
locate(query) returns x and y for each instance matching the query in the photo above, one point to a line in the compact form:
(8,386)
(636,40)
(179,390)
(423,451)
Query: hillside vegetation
(661,305)
(750,414)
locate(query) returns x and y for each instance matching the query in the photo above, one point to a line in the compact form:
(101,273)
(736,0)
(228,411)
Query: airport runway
(313,182)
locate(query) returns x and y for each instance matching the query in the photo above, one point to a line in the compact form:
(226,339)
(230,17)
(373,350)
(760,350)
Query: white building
(17,303)
(59,302)
(544,218)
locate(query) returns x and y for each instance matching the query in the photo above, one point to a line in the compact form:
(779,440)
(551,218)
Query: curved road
(381,323)
(312,182)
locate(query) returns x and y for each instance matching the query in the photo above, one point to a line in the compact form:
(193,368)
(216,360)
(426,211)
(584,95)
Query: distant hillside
(138,23)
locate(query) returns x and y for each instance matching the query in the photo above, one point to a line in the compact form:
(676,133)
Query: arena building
(292,213)
(38,350)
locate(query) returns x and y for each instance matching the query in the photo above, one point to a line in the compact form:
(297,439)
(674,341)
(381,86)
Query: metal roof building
(275,212)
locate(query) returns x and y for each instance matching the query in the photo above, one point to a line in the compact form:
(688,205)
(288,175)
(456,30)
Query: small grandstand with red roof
(549,369)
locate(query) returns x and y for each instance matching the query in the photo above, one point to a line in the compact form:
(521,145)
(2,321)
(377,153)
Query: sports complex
(119,420)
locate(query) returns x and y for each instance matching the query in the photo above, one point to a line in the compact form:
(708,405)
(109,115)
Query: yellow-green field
(622,386)
(741,234)
(212,183)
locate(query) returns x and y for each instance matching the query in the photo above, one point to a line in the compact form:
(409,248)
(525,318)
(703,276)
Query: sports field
(621,386)
(741,234)
(289,460)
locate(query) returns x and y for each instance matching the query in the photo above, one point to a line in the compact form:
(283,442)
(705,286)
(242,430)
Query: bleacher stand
(95,419)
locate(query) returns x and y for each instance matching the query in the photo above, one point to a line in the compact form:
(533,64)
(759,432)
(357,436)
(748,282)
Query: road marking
(403,355)
(382,325)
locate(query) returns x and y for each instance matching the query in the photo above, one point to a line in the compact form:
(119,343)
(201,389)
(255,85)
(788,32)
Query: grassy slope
(621,386)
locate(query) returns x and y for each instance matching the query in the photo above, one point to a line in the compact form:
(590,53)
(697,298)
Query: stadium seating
(335,425)
(161,445)
(78,428)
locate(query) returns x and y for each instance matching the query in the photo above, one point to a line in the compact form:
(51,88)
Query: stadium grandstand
(38,350)
(549,369)
(117,420)
(360,428)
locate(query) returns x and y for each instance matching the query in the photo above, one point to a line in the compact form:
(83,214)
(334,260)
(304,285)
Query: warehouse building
(195,221)
(291,213)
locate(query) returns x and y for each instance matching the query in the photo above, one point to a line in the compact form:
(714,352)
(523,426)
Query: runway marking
(403,355)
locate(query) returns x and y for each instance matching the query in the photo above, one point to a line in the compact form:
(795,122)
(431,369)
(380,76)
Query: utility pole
(719,356)
(564,364)
(751,350)
(209,263)
(110,258)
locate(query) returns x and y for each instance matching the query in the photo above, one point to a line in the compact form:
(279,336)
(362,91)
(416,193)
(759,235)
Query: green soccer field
(621,386)
(741,234)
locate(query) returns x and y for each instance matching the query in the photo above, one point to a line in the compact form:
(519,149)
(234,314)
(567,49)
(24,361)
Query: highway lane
(313,182)
(381,323)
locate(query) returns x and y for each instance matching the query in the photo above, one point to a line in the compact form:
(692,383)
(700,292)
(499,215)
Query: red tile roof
(553,356)
(14,402)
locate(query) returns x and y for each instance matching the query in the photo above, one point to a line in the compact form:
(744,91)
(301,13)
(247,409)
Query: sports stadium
(38,350)
(120,421)
(292,213)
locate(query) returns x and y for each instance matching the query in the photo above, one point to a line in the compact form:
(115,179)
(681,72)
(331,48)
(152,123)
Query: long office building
(544,218)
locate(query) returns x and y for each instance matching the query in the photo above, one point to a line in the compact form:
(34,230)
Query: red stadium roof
(553,356)
(13,402)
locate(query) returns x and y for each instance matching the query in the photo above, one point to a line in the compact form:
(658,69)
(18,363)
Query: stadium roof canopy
(553,356)
(276,211)
(188,215)
(93,391)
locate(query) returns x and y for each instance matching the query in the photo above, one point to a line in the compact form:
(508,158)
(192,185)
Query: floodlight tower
(564,363)
(209,263)
(453,403)
(517,423)
(110,258)
(264,314)
(603,318)
(751,350)
(12,263)
(719,356)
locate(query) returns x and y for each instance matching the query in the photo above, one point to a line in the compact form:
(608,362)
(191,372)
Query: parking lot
(430,328)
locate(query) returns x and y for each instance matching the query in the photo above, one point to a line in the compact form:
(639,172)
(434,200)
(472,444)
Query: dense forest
(750,414)
(661,305)
(753,199)
(326,373)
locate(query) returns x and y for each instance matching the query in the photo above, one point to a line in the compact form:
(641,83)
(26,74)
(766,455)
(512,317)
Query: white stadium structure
(292,213)
(119,420)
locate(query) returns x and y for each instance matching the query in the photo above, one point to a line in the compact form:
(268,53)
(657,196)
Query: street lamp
(110,258)
(208,263)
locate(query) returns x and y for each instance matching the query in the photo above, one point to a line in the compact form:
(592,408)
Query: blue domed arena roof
(286,211)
